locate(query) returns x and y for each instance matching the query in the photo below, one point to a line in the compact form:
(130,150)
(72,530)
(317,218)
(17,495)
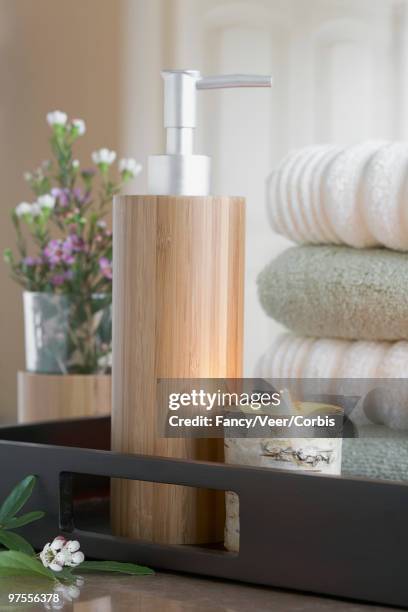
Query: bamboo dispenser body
(177,313)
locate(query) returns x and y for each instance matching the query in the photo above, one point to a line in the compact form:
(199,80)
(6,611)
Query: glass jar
(68,334)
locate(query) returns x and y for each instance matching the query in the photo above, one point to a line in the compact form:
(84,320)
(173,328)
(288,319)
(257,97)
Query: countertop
(168,592)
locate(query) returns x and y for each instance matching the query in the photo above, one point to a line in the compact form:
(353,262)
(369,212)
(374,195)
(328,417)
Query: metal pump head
(179,171)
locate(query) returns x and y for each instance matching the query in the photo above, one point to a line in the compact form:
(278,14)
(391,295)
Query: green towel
(379,453)
(338,292)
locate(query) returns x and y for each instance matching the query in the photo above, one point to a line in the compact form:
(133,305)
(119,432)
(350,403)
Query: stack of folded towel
(343,293)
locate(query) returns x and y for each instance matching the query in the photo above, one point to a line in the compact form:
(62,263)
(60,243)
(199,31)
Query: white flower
(45,554)
(46,201)
(75,164)
(130,165)
(103,156)
(56,118)
(24,208)
(73,545)
(77,558)
(55,567)
(48,557)
(27,176)
(63,557)
(35,209)
(79,125)
(61,553)
(58,543)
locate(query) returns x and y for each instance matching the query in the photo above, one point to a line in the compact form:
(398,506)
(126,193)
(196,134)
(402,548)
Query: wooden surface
(177,312)
(44,397)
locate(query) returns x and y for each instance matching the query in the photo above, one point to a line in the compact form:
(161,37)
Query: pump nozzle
(223,81)
(179,171)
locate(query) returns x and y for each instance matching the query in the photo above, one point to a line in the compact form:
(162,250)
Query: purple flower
(53,251)
(62,195)
(58,251)
(65,196)
(59,279)
(32,261)
(105,266)
(74,243)
(80,197)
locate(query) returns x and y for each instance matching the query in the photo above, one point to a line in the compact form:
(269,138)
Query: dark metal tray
(338,536)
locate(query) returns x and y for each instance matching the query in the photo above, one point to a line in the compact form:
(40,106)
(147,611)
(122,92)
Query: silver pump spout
(179,171)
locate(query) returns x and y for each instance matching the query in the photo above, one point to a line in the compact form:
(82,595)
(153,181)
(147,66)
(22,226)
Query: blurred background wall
(340,74)
(53,55)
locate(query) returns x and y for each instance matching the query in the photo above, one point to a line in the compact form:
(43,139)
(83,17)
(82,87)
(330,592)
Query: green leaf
(8,256)
(16,561)
(114,566)
(5,572)
(14,541)
(17,498)
(24,519)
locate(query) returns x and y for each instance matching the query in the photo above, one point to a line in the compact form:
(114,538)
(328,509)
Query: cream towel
(354,196)
(291,356)
(338,292)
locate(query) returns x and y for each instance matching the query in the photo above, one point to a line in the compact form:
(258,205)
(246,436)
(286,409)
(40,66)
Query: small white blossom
(79,125)
(73,545)
(77,558)
(103,156)
(27,176)
(60,553)
(35,209)
(63,557)
(58,543)
(75,164)
(130,165)
(56,118)
(46,201)
(55,567)
(24,208)
(48,557)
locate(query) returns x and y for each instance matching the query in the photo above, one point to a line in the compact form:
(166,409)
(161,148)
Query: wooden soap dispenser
(178,284)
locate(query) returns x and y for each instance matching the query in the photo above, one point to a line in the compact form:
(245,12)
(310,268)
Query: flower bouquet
(64,259)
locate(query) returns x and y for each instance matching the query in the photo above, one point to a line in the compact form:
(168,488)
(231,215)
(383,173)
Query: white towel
(292,356)
(329,358)
(354,196)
